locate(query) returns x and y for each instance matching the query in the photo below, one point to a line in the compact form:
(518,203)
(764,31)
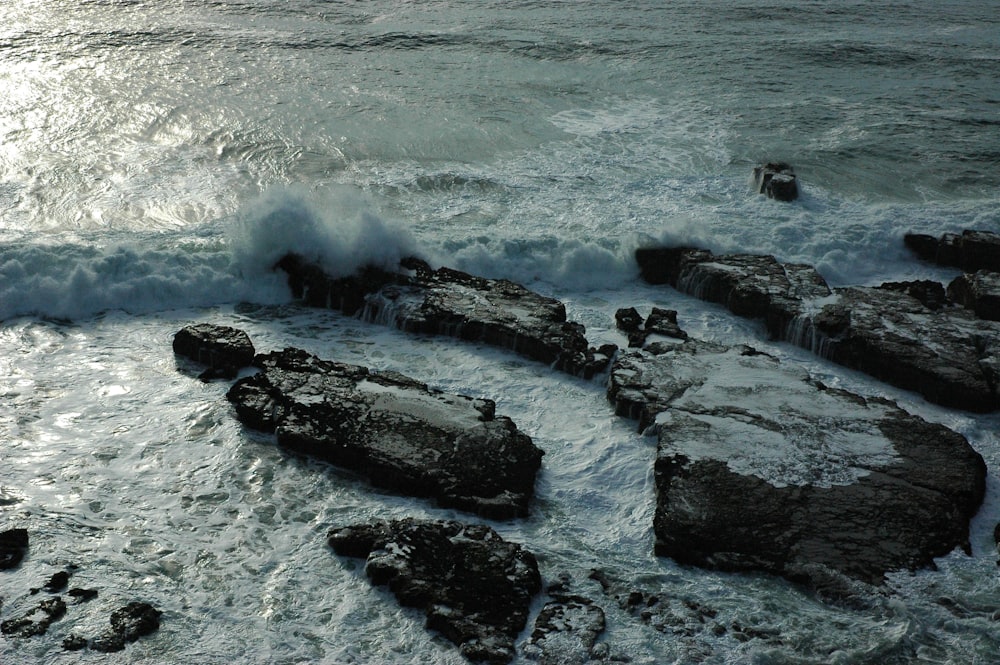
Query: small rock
(776,180)
(224,349)
(36,620)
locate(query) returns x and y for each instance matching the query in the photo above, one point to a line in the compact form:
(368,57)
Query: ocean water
(157,157)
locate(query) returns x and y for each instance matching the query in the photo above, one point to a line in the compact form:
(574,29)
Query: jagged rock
(475,587)
(777,180)
(659,322)
(393,429)
(979,291)
(971,250)
(455,304)
(628,320)
(128,624)
(13,547)
(56,583)
(760,468)
(947,355)
(566,632)
(930,293)
(36,620)
(82,595)
(223,349)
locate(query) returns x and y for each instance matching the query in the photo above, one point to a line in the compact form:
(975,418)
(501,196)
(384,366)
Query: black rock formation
(979,292)
(761,468)
(776,180)
(36,620)
(13,547)
(223,349)
(475,587)
(971,250)
(455,304)
(394,430)
(947,354)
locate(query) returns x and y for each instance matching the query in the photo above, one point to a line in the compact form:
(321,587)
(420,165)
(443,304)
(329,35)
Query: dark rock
(760,468)
(225,350)
(566,632)
(777,180)
(979,291)
(394,430)
(930,293)
(56,583)
(13,547)
(74,643)
(628,320)
(971,250)
(663,322)
(36,620)
(82,595)
(454,304)
(475,587)
(947,355)
(128,624)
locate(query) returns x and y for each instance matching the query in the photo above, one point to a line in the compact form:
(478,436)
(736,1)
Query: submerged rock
(394,430)
(776,180)
(971,250)
(946,354)
(455,304)
(13,547)
(566,632)
(761,468)
(475,587)
(37,620)
(128,624)
(225,350)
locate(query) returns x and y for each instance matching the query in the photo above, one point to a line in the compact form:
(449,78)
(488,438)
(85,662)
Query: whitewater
(157,158)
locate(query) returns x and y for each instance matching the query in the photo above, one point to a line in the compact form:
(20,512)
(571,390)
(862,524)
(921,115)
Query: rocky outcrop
(776,180)
(566,632)
(475,587)
(223,349)
(761,468)
(13,547)
(455,304)
(661,322)
(394,430)
(37,620)
(946,354)
(971,250)
(979,292)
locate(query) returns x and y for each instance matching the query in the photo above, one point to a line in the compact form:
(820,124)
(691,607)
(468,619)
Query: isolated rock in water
(777,180)
(760,468)
(128,624)
(394,430)
(566,632)
(946,354)
(475,587)
(225,350)
(36,620)
(971,250)
(13,547)
(979,291)
(456,304)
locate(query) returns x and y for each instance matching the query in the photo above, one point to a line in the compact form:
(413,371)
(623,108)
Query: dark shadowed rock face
(776,180)
(946,354)
(13,547)
(979,291)
(760,468)
(970,250)
(394,430)
(475,587)
(455,304)
(225,350)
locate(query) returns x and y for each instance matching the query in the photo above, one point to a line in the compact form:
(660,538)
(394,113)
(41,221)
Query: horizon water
(156,159)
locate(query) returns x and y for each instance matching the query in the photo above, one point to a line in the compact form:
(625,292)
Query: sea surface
(156,158)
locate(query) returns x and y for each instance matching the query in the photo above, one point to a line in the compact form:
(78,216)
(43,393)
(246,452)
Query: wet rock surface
(394,430)
(567,629)
(979,291)
(777,180)
(946,354)
(13,547)
(455,304)
(970,250)
(128,624)
(223,349)
(761,468)
(475,587)
(37,620)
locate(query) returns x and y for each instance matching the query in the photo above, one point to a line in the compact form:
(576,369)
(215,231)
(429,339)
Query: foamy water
(156,160)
